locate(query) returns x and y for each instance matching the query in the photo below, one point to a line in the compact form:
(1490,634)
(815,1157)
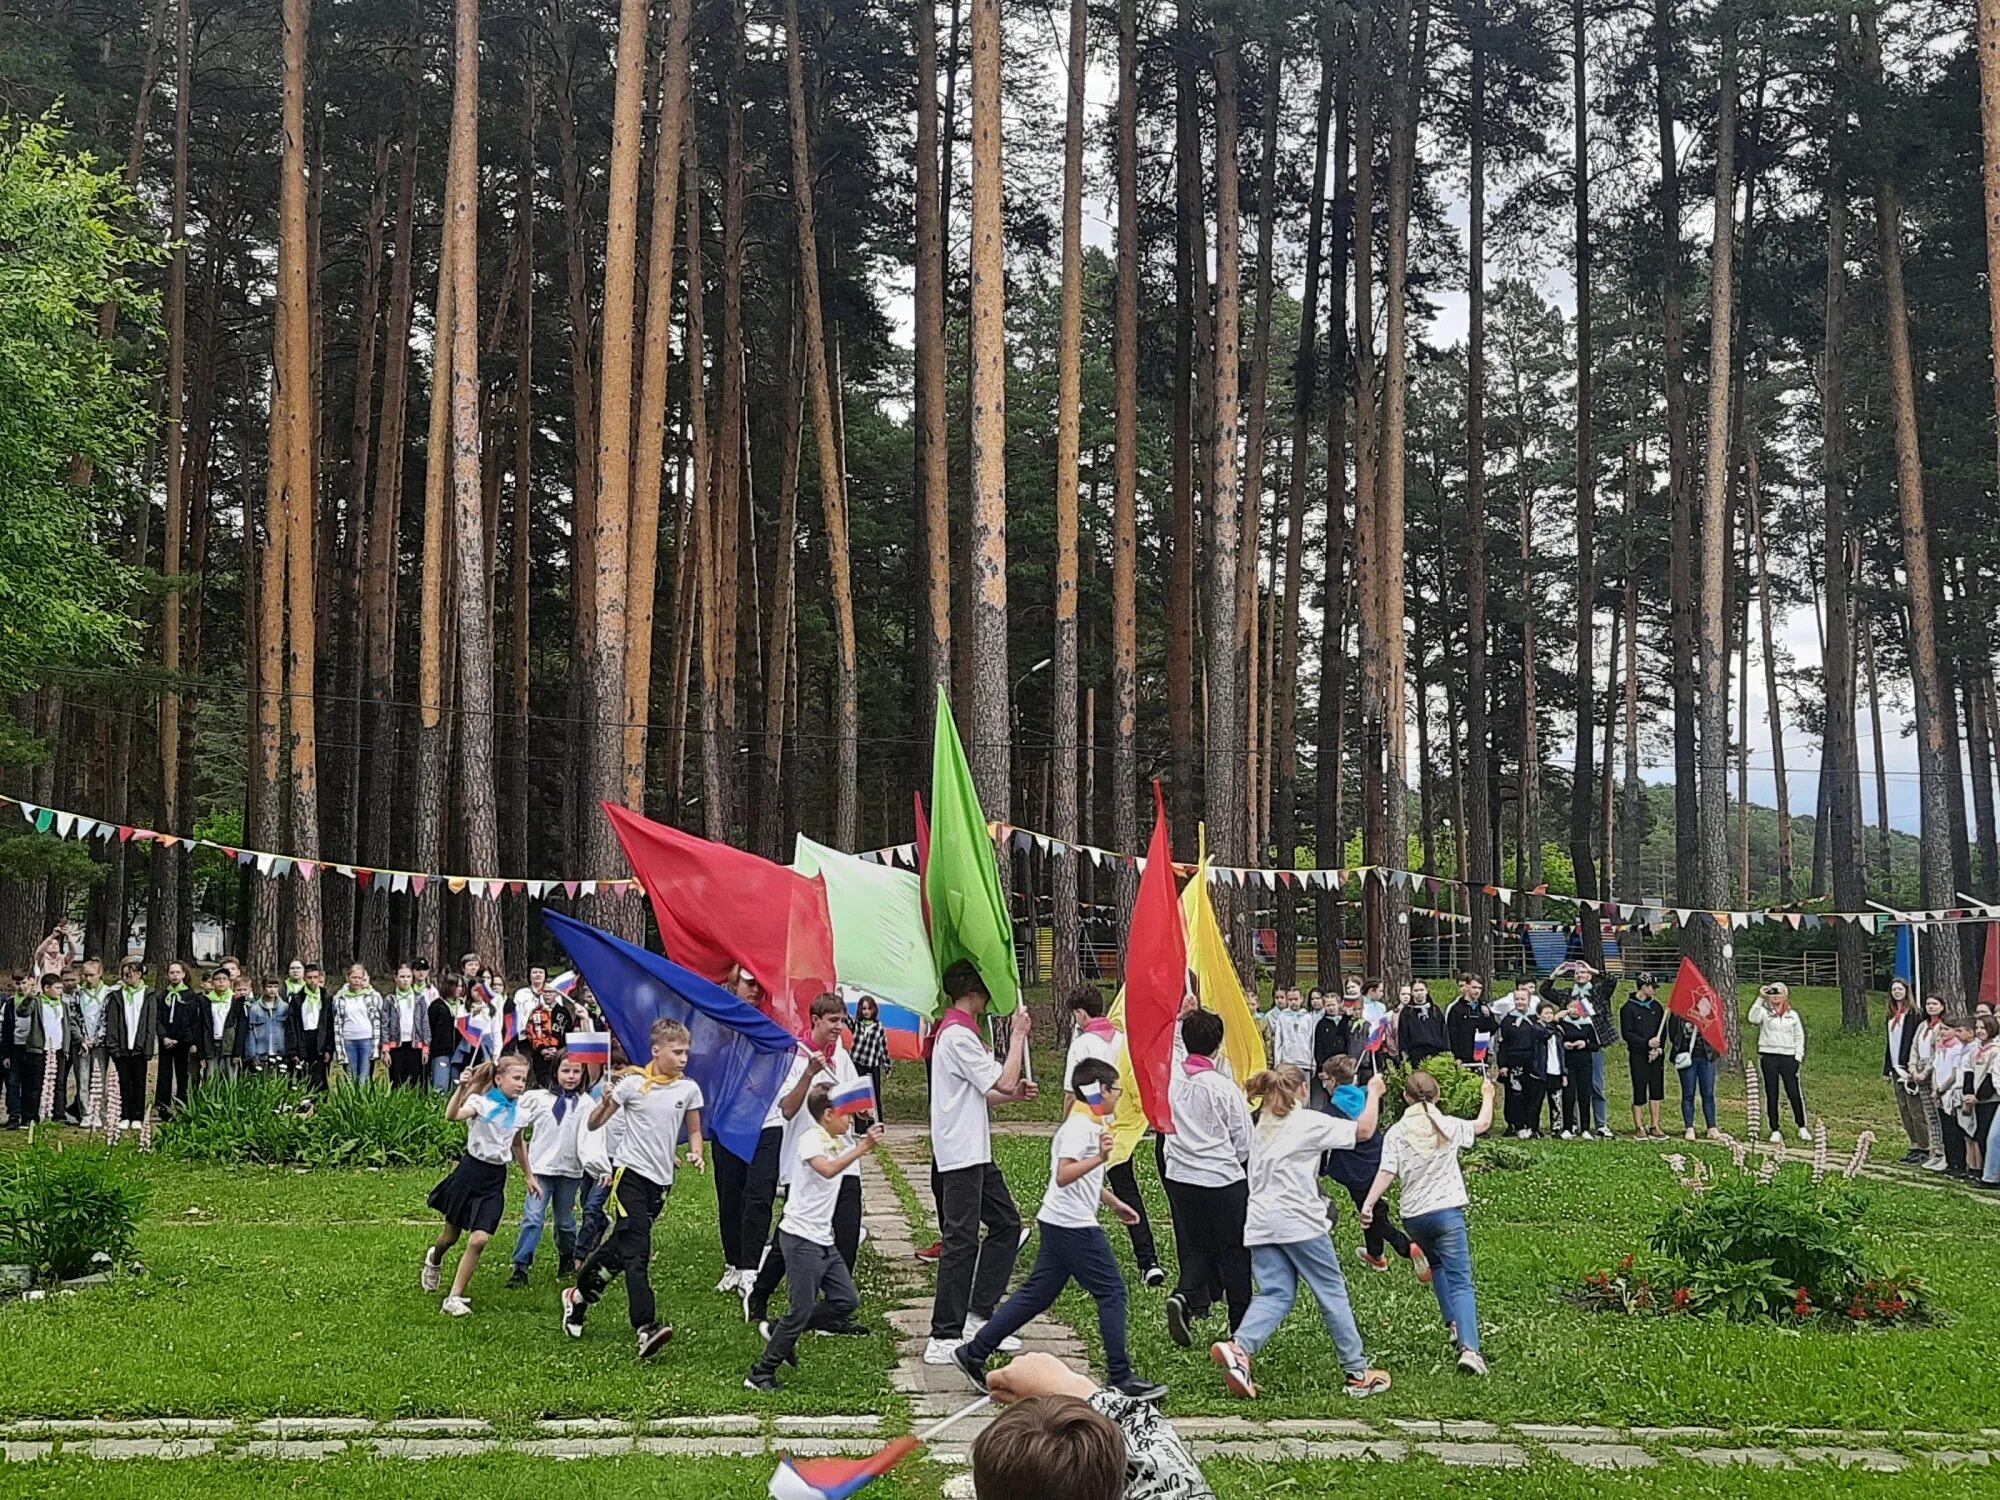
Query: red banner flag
(720,907)
(1989,976)
(1155,972)
(1694,1000)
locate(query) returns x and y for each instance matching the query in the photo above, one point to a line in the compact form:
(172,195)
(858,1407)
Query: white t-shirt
(1286,1205)
(962,1070)
(356,1015)
(1431,1179)
(552,1149)
(406,1011)
(131,1000)
(652,1119)
(491,1141)
(218,1016)
(811,1200)
(775,1115)
(309,1009)
(1074,1206)
(52,1025)
(1086,1047)
(1212,1130)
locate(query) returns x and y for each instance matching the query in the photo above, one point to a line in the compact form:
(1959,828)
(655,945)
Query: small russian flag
(835,1478)
(1092,1094)
(591,1048)
(478,1030)
(484,991)
(564,983)
(854,1098)
(1481,1043)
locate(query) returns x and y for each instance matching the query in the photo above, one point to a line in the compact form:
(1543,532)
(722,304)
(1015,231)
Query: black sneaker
(1155,1276)
(518,1279)
(1142,1390)
(653,1338)
(1177,1321)
(973,1369)
(757,1380)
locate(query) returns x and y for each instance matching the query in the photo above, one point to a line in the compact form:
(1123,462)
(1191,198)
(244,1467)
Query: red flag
(1694,999)
(923,857)
(719,907)
(1989,977)
(1155,972)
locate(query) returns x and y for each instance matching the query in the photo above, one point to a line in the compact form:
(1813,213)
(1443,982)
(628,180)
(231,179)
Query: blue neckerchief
(504,1116)
(565,1098)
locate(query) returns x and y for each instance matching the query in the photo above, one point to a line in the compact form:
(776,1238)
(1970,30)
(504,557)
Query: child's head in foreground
(1046,1446)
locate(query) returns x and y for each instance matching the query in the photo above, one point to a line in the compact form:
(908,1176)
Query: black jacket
(1570,1029)
(174,1018)
(443,1027)
(1521,1043)
(1639,1023)
(311,1045)
(1685,1036)
(1420,1031)
(1329,1039)
(1899,1057)
(1463,1021)
(144,1041)
(235,1029)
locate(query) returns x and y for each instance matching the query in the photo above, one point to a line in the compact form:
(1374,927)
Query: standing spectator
(264,1048)
(10,1088)
(871,1048)
(1420,1027)
(441,1016)
(1984,1079)
(1642,1023)
(1695,1064)
(406,1030)
(1469,1017)
(173,1026)
(1522,1043)
(218,1041)
(1579,1044)
(1596,991)
(93,1057)
(1898,1059)
(51,1042)
(310,1042)
(56,952)
(1950,1073)
(358,1022)
(1781,1053)
(130,1032)
(1931,1039)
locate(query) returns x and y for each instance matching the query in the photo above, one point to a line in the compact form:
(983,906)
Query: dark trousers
(131,1085)
(880,1077)
(972,1273)
(406,1066)
(1649,1079)
(1065,1255)
(1782,1068)
(315,1070)
(1208,1234)
(17,1071)
(32,1066)
(1576,1103)
(628,1248)
(1124,1183)
(821,1293)
(1953,1135)
(596,1197)
(1382,1229)
(170,1088)
(744,1193)
(1524,1101)
(846,1239)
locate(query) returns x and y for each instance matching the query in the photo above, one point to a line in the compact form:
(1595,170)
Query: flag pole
(969,1409)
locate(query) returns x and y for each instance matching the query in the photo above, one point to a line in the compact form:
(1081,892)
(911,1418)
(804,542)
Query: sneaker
(1422,1262)
(1657,1134)
(1372,1262)
(1912,1157)
(433,1273)
(1688,1134)
(732,1279)
(1777,1137)
(1471,1362)
(1524,1135)
(940,1351)
(764,1330)
(1155,1276)
(1805,1135)
(1235,1369)
(1008,1345)
(1367,1383)
(932,1253)
(1604,1132)
(1177,1321)
(847,1330)
(518,1279)
(572,1312)
(972,1369)
(1142,1390)
(653,1338)
(1934,1164)
(1714,1133)
(457,1307)
(1567,1135)
(757,1381)
(746,1288)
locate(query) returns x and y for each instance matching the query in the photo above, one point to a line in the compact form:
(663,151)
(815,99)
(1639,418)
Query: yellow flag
(1128,1125)
(1215,974)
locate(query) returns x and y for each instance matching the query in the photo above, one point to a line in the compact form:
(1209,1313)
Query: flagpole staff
(972,1408)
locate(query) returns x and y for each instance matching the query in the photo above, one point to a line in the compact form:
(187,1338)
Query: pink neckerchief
(1196,1065)
(954,1017)
(1101,1028)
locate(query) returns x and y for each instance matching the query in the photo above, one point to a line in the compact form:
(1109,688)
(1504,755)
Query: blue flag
(739,1055)
(1906,966)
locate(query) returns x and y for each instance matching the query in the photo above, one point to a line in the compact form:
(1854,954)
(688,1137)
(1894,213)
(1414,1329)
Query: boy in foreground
(1058,1434)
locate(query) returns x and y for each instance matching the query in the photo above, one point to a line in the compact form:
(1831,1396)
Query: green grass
(271,1291)
(1550,1480)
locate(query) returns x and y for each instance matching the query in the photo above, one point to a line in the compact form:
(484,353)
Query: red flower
(1626,1263)
(1681,1297)
(1802,1304)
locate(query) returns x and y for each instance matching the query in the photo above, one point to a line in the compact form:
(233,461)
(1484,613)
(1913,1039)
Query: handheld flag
(564,983)
(479,1032)
(1215,976)
(1694,999)
(1481,1044)
(591,1048)
(1155,972)
(738,1055)
(856,1098)
(1905,967)
(1378,1033)
(880,942)
(719,908)
(1093,1095)
(837,1478)
(968,910)
(481,990)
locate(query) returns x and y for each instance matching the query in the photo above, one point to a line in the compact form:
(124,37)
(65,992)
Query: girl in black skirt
(473,1199)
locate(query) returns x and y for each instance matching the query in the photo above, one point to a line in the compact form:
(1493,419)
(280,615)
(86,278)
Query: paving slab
(583,1426)
(808,1425)
(1876,1460)
(291,1448)
(855,1446)
(417,1447)
(1557,1432)
(441,1426)
(706,1424)
(1312,1426)
(1474,1455)
(1761,1458)
(705,1447)
(576,1447)
(1960,1458)
(1604,1455)
(117,1448)
(1420,1428)
(285,1426)
(24,1452)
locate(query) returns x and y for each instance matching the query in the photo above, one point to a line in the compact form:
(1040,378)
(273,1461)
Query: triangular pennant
(570,888)
(454,883)
(307,869)
(589,887)
(536,888)
(65,824)
(364,877)
(417,884)
(1684,915)
(42,819)
(29,812)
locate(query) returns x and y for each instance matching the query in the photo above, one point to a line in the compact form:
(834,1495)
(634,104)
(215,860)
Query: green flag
(880,946)
(962,878)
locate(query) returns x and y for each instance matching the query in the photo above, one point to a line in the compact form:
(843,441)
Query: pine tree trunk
(832,481)
(1477,871)
(1329,835)
(520,852)
(1181,592)
(1256,664)
(988,721)
(1989,130)
(1305,390)
(1631,876)
(170,860)
(1711,878)
(778,687)
(1885,856)
(1367,508)
(1776,708)
(1125,471)
(726,456)
(933,444)
(1228,631)
(1528,838)
(1582,794)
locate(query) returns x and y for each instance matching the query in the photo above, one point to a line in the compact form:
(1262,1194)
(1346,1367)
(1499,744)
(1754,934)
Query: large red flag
(719,907)
(1155,972)
(923,856)
(1989,977)
(1694,999)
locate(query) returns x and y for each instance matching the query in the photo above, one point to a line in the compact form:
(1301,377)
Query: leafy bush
(61,1210)
(1458,1088)
(266,1120)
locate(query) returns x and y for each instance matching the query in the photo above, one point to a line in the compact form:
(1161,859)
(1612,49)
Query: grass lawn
(1547,1480)
(271,1291)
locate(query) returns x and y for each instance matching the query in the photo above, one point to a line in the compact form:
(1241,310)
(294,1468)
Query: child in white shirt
(473,1199)
(552,1157)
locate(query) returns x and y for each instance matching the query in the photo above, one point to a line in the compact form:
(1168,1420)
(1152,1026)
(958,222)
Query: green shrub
(267,1120)
(1458,1088)
(60,1210)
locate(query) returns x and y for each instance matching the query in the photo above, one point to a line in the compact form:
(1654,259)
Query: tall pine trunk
(1477,871)
(1775,709)
(170,860)
(988,721)
(1181,592)
(521,558)
(1228,631)
(1329,836)
(1367,506)
(932,442)
(1125,470)
(1582,793)
(1256,665)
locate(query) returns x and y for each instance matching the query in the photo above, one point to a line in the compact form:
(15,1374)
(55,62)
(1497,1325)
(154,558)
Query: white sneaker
(1605,1132)
(1689,1134)
(1934,1164)
(1008,1345)
(729,1282)
(940,1351)
(433,1273)
(457,1307)
(1805,1135)
(1470,1362)
(1567,1135)
(1524,1135)
(572,1312)
(1777,1137)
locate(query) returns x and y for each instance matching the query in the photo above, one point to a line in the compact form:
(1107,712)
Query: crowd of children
(1945,1073)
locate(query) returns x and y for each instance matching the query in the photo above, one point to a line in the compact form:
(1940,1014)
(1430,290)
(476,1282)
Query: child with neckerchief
(473,1199)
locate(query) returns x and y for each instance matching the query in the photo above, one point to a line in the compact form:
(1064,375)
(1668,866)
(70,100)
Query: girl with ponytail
(1422,1148)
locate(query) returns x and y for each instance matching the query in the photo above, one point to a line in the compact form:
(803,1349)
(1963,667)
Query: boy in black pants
(1355,1170)
(820,1289)
(656,1101)
(1207,1186)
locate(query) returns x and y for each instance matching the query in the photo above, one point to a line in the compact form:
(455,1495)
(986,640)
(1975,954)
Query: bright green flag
(879,943)
(962,878)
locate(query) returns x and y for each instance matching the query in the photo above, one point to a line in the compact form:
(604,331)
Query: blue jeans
(440,1074)
(596,1218)
(1600,1102)
(1279,1270)
(1442,1236)
(360,1057)
(1992,1172)
(1066,1255)
(1700,1073)
(562,1192)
